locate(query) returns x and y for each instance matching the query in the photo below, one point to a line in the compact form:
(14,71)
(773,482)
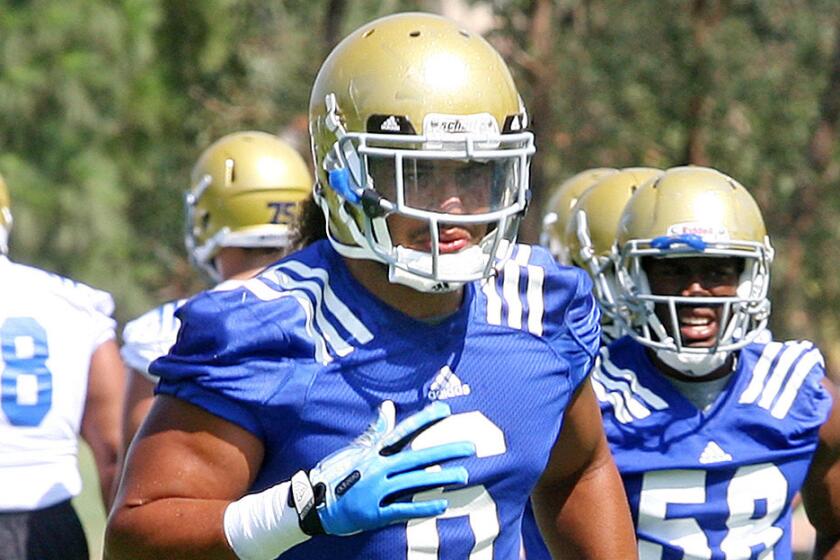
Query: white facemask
(469,262)
(693,365)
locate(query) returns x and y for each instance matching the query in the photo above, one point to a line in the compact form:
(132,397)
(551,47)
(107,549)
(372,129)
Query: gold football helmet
(590,235)
(5,216)
(693,212)
(400,103)
(247,188)
(558,209)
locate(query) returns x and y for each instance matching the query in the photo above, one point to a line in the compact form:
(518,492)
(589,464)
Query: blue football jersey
(714,484)
(302,356)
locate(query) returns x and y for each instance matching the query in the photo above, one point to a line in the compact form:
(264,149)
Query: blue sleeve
(580,340)
(225,360)
(812,403)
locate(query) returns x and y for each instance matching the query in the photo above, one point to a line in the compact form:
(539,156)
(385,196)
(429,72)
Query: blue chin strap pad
(340,182)
(691,240)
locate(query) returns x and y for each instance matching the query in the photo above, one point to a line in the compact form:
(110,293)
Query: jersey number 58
(755,498)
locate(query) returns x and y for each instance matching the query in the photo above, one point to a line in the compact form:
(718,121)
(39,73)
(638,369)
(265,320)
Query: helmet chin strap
(469,261)
(693,365)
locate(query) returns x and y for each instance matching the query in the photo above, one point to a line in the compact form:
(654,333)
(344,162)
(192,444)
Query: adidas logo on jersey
(714,454)
(447,385)
(390,124)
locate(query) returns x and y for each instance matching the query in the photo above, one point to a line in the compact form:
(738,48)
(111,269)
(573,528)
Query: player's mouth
(450,240)
(698,326)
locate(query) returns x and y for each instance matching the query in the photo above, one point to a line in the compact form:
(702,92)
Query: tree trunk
(541,76)
(332,24)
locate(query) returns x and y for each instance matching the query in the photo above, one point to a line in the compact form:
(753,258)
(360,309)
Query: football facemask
(460,182)
(590,236)
(693,212)
(449,159)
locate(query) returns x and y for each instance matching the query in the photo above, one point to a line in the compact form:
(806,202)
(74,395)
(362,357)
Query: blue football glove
(355,488)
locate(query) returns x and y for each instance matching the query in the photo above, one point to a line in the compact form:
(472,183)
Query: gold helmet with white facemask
(690,212)
(246,191)
(590,235)
(558,210)
(402,106)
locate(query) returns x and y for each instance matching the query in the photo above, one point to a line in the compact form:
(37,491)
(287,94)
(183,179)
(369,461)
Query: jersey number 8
(26,382)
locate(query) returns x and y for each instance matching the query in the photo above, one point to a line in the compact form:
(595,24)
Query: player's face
(694,277)
(441,186)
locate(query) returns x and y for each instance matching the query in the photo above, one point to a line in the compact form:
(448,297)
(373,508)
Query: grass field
(89,503)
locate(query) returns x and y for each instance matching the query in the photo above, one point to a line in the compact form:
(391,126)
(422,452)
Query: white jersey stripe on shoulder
(266,293)
(338,344)
(510,291)
(629,376)
(780,372)
(805,365)
(523,255)
(592,320)
(321,353)
(261,290)
(494,302)
(337,307)
(534,296)
(626,407)
(759,373)
(612,398)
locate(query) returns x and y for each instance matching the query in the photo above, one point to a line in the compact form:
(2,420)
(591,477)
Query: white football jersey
(150,336)
(50,327)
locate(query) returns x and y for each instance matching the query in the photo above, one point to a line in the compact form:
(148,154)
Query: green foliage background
(105,105)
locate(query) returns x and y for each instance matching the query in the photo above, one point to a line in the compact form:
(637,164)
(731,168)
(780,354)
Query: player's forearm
(105,449)
(587,518)
(168,528)
(108,470)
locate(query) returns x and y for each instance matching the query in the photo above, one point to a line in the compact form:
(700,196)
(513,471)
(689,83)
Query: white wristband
(263,526)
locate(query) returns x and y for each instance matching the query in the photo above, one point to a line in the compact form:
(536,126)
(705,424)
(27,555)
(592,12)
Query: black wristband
(304,499)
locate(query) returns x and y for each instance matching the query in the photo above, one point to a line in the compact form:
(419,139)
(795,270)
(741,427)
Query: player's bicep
(581,443)
(580,484)
(183,451)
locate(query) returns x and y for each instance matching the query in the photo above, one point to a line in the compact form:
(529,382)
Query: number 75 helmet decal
(246,191)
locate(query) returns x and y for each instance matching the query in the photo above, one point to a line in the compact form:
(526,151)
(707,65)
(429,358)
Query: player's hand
(355,488)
